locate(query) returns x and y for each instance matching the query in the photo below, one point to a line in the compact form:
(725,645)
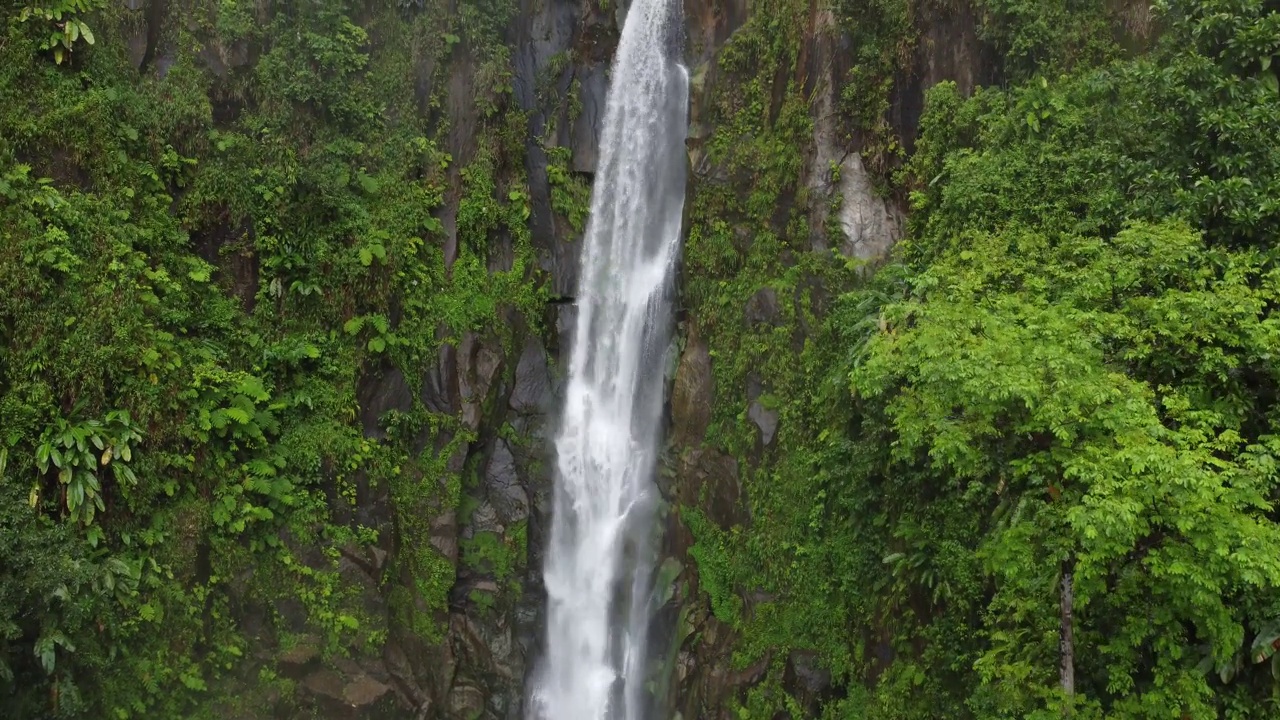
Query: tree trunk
(1066,639)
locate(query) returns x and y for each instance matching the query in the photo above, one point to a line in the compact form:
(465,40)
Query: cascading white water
(599,560)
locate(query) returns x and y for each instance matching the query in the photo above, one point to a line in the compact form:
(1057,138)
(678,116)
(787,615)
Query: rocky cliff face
(751,310)
(780,177)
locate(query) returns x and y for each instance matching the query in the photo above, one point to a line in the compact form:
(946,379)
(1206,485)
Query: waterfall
(600,555)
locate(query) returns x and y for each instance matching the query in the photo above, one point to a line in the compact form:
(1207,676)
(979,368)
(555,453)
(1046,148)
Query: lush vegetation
(199,262)
(1026,468)
(1030,469)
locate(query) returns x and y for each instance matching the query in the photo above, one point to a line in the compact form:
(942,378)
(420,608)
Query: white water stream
(600,557)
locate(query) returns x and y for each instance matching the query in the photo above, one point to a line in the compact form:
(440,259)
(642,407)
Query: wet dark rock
(551,27)
(700,129)
(466,701)
(403,679)
(485,586)
(449,220)
(444,535)
(463,100)
(229,246)
(709,481)
(593,86)
(545,31)
(292,614)
(709,23)
(377,558)
(527,615)
(809,676)
(493,664)
(380,392)
(501,254)
(765,419)
(558,256)
(532,391)
(544,225)
(343,695)
(134,31)
(691,394)
(949,49)
(439,382)
(364,690)
(566,319)
(368,579)
(217,54)
(503,486)
(324,682)
(762,308)
(478,362)
(484,646)
(306,650)
(485,519)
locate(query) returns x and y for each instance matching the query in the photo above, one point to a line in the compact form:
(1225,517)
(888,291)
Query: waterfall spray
(599,562)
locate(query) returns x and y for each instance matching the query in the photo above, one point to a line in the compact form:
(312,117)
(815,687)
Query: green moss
(519,540)
(570,194)
(747,235)
(499,555)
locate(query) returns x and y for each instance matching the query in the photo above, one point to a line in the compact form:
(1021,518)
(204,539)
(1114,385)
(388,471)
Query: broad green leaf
(1266,642)
(45,651)
(253,387)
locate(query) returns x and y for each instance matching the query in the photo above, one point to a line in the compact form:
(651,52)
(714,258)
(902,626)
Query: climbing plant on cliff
(1046,482)
(199,258)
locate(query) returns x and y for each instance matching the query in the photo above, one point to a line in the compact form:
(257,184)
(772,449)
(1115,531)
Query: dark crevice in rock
(155,24)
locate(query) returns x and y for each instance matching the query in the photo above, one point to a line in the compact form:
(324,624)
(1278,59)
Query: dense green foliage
(1065,377)
(197,266)
(1068,374)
